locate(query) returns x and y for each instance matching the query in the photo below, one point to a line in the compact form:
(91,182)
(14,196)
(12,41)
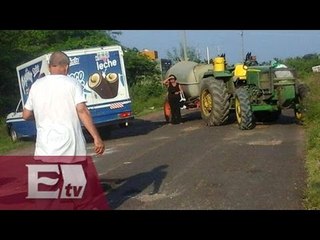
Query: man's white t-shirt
(53,100)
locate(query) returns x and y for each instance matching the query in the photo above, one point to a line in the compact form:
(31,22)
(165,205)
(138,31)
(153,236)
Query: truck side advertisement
(100,71)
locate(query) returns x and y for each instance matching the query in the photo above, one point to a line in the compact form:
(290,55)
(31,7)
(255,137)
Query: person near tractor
(174,91)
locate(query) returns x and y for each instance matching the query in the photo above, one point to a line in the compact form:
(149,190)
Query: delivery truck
(101,72)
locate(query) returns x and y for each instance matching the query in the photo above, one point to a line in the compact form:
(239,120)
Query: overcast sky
(265,44)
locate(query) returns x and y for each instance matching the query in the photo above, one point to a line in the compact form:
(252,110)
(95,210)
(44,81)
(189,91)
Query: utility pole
(208,55)
(242,45)
(184,44)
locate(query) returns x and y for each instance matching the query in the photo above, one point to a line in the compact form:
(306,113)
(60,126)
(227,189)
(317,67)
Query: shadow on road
(141,126)
(191,115)
(286,118)
(136,127)
(120,190)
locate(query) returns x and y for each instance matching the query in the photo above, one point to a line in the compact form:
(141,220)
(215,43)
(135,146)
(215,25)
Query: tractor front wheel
(243,109)
(299,116)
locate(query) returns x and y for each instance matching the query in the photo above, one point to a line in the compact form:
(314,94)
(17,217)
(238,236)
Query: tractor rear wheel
(214,101)
(303,90)
(243,109)
(299,110)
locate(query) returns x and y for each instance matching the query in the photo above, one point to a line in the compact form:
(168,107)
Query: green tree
(18,46)
(144,79)
(177,54)
(38,42)
(310,56)
(138,67)
(303,65)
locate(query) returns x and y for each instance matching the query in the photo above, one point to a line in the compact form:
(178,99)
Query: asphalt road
(153,165)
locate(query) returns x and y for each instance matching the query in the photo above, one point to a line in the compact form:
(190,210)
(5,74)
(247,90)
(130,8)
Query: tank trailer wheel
(167,110)
(243,109)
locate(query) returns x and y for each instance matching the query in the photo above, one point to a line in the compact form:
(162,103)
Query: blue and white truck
(101,72)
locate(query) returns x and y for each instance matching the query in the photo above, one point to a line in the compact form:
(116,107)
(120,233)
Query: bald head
(59,63)
(59,59)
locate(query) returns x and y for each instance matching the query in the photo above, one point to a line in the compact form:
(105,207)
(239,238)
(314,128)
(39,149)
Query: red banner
(52,183)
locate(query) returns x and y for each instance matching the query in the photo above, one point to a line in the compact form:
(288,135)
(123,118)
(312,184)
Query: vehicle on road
(101,72)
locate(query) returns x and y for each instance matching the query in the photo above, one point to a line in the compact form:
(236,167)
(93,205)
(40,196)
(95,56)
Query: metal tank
(189,75)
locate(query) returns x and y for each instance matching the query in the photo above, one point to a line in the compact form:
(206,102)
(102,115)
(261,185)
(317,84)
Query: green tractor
(265,92)
(256,93)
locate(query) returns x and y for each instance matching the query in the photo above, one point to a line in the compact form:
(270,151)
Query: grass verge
(5,141)
(312,126)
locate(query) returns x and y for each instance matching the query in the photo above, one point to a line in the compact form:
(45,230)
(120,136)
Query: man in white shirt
(57,103)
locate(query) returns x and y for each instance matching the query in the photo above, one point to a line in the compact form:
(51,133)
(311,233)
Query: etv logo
(74,181)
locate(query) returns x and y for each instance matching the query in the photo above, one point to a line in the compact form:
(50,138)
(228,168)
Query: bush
(312,126)
(303,65)
(147,95)
(8,104)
